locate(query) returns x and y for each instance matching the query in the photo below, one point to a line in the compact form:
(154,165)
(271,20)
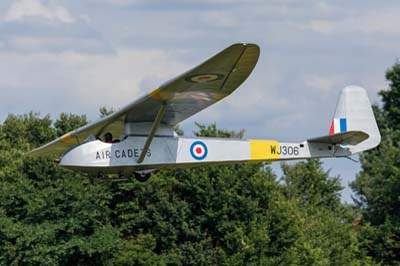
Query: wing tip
(245,45)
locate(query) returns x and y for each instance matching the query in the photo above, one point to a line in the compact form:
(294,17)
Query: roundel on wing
(198,150)
(202,78)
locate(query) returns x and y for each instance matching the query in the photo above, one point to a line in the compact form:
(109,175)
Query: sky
(76,56)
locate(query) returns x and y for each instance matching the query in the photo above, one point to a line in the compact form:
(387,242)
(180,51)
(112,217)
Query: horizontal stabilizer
(348,138)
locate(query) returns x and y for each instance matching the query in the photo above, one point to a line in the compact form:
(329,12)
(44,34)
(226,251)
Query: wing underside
(183,96)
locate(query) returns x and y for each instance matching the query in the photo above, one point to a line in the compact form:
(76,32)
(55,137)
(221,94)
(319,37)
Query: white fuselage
(121,158)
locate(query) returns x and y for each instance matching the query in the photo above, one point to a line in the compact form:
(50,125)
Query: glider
(147,141)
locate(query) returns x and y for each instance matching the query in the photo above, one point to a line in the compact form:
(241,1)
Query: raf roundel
(198,150)
(203,78)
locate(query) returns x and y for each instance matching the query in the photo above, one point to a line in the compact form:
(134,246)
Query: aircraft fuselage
(164,152)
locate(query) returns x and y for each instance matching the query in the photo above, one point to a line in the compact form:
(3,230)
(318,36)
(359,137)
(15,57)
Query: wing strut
(153,130)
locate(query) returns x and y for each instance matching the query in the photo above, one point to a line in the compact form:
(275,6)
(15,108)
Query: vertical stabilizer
(354,113)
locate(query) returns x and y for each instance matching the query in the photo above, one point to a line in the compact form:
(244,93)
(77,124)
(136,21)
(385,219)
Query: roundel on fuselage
(198,150)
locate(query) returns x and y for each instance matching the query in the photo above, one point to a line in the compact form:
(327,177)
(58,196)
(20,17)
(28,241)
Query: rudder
(354,113)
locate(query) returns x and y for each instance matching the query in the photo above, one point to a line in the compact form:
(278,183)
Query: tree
(391,97)
(326,231)
(69,122)
(27,131)
(308,182)
(49,216)
(213,131)
(377,186)
(236,214)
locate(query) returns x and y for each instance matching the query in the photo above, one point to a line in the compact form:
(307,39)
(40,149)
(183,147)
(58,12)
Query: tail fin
(354,113)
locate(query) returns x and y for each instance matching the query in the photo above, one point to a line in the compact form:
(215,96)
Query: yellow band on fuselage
(264,149)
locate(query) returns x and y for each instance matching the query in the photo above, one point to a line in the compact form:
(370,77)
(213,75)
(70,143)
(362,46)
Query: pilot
(108,137)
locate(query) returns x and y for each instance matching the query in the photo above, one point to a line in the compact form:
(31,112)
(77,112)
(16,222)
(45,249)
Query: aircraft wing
(182,96)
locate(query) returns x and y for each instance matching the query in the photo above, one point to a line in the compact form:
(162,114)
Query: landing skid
(142,177)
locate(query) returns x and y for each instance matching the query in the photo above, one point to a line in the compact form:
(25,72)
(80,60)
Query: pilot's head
(108,137)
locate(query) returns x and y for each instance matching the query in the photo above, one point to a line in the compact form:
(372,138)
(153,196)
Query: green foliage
(178,130)
(213,131)
(48,216)
(205,214)
(308,182)
(236,214)
(28,130)
(69,122)
(377,186)
(391,97)
(326,235)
